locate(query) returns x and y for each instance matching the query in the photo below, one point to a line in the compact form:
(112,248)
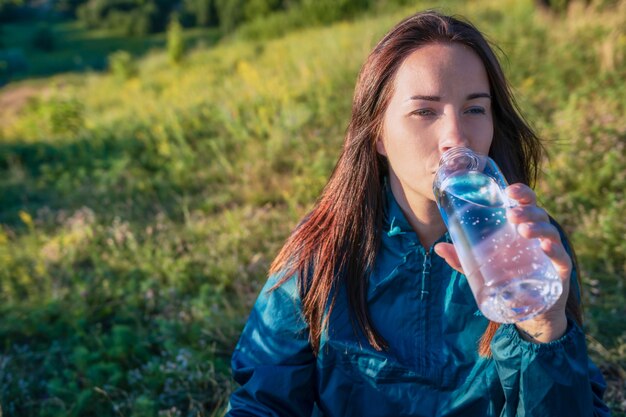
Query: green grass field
(138,216)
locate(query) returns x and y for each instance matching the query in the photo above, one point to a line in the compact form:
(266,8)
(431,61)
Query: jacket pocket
(366,366)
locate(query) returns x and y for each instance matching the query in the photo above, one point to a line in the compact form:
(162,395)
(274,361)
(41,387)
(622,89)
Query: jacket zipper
(425,274)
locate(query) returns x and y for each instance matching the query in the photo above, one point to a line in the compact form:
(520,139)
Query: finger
(448,253)
(558,255)
(527,214)
(551,244)
(522,193)
(539,230)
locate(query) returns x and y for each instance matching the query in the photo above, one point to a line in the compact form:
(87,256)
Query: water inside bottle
(511,277)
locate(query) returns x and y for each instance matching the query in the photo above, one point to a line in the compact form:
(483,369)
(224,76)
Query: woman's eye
(424,112)
(476,110)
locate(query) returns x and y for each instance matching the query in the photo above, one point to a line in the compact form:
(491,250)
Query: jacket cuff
(508,337)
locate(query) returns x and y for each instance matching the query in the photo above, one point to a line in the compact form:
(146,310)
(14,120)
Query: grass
(138,216)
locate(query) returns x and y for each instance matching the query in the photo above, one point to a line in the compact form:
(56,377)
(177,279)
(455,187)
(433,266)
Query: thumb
(448,253)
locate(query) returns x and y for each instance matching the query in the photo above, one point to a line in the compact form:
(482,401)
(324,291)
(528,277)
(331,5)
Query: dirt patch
(13,99)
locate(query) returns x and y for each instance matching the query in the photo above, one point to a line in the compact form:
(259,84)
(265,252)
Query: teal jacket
(427,314)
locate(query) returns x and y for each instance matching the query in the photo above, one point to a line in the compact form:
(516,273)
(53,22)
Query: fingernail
(510,191)
(523,228)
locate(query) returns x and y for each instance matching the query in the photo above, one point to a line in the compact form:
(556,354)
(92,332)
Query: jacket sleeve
(273,361)
(549,379)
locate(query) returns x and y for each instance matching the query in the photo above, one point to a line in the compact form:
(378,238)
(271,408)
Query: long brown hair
(336,243)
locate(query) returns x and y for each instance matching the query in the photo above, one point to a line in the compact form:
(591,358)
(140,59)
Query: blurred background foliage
(154,155)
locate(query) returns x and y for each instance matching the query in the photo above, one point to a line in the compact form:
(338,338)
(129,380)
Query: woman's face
(441,99)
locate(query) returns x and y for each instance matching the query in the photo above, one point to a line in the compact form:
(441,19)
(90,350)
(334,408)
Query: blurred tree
(325,11)
(175,40)
(12,61)
(8,9)
(68,7)
(260,8)
(132,17)
(230,13)
(43,38)
(200,12)
(558,6)
(138,17)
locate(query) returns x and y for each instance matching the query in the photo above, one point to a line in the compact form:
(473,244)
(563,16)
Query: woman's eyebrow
(478,95)
(427,98)
(437,98)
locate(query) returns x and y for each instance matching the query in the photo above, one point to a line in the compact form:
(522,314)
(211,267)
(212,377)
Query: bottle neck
(453,160)
(459,157)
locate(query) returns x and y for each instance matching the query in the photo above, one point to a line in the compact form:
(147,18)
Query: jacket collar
(395,222)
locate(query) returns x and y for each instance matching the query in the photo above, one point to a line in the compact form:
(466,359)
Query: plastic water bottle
(510,276)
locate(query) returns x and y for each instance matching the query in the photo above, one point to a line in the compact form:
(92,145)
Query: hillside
(140,208)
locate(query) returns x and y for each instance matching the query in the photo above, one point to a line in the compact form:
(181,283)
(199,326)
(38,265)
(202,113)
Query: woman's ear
(380,147)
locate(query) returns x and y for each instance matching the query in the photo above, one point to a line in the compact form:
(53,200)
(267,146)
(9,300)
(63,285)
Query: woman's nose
(452,134)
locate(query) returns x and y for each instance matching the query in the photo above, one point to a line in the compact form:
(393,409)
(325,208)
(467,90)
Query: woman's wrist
(543,329)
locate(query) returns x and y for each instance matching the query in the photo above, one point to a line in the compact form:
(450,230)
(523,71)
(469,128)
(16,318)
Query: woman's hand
(532,222)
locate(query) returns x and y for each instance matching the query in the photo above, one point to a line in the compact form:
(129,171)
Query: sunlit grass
(139,216)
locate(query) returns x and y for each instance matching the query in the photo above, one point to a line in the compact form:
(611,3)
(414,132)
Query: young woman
(366,311)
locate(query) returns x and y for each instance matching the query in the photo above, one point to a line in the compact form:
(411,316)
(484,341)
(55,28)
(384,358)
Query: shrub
(201,12)
(122,65)
(129,17)
(12,61)
(175,41)
(43,39)
(230,13)
(326,11)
